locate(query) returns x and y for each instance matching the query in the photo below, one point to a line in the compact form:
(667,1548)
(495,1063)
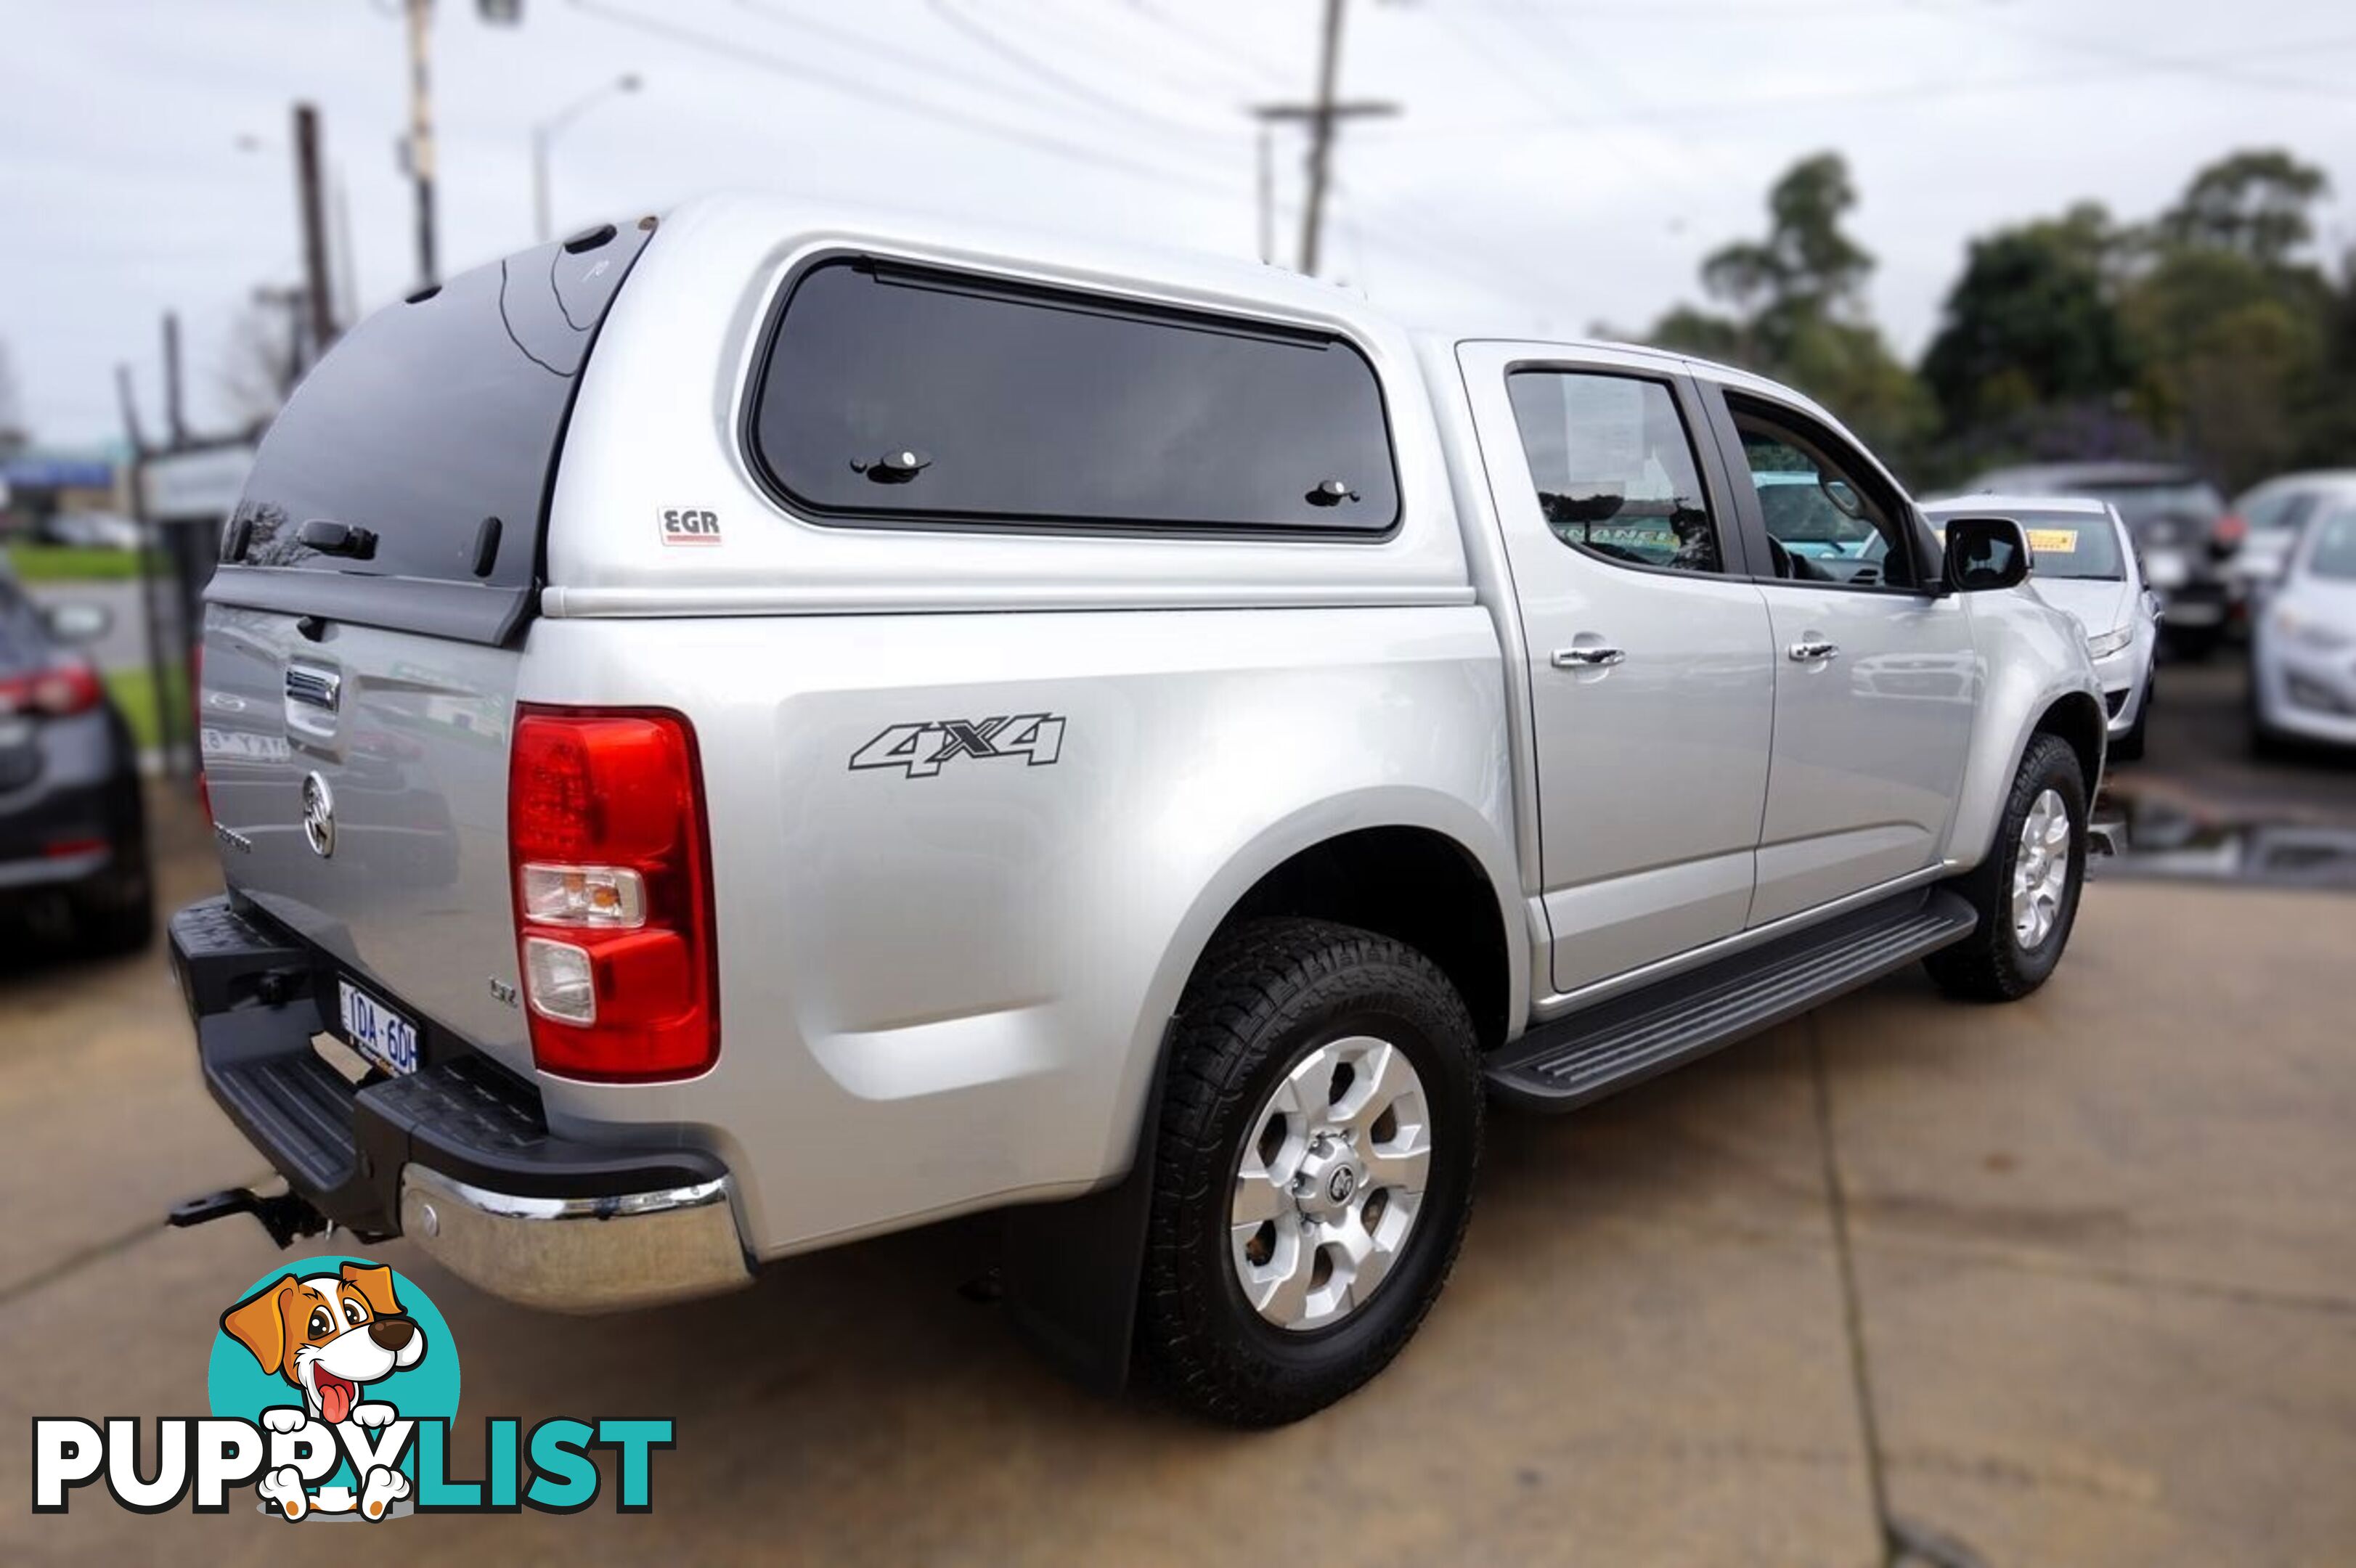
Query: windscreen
(2334,555)
(2190,500)
(2071,544)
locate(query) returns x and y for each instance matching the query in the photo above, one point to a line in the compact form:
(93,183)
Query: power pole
(421,134)
(176,423)
(1267,195)
(315,229)
(1320,136)
(1323,116)
(348,289)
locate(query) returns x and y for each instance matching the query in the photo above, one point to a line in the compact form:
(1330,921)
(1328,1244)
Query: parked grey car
(73,830)
(793,723)
(2303,645)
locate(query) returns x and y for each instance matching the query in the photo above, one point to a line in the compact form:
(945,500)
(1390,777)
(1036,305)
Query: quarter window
(897,394)
(1614,468)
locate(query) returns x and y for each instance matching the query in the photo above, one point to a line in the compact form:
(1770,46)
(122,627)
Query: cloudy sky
(1555,164)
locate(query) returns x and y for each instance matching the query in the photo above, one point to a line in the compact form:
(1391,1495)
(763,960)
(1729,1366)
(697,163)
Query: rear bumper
(457,1157)
(54,833)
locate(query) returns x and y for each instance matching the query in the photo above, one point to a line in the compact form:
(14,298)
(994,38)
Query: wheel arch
(1073,1268)
(2078,720)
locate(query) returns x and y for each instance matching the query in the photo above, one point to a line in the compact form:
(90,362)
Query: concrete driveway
(2069,1281)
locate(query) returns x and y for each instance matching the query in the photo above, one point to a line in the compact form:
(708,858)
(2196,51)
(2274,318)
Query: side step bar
(1579,1057)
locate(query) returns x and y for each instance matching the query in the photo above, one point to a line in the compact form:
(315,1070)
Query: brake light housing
(609,864)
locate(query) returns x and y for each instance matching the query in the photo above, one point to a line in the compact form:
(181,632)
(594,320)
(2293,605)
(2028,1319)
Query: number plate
(375,1032)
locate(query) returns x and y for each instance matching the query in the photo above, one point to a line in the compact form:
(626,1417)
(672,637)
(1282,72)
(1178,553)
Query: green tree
(2033,322)
(2235,329)
(1795,309)
(2254,204)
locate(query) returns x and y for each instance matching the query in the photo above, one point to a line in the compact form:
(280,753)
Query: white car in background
(2275,510)
(2303,647)
(2084,563)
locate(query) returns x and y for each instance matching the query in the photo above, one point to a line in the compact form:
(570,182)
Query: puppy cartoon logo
(329,1336)
(334,1385)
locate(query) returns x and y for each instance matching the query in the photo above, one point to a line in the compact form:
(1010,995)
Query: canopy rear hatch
(362,634)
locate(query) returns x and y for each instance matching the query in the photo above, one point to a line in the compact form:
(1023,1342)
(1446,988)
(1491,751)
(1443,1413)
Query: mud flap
(1072,1271)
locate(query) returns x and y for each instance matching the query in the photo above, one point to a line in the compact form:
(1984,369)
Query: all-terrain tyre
(2026,891)
(1321,1125)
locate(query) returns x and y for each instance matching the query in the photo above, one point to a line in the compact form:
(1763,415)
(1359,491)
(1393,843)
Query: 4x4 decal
(919,749)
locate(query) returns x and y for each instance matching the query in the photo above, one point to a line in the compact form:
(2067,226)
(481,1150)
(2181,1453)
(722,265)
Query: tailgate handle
(314,687)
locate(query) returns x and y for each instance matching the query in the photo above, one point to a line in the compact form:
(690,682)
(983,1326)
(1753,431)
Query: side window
(1828,518)
(899,394)
(1614,468)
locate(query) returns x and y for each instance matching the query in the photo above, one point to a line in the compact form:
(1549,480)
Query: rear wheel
(2026,891)
(1320,1129)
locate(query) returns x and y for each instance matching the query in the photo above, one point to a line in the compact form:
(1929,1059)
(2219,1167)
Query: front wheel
(1320,1125)
(2026,891)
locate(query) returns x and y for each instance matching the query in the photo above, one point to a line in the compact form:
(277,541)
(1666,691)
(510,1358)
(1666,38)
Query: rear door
(1651,688)
(362,630)
(1876,674)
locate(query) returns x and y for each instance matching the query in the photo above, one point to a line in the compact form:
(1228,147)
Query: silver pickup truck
(734,735)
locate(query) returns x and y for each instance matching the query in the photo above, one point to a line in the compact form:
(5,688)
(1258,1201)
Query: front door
(1650,670)
(1876,676)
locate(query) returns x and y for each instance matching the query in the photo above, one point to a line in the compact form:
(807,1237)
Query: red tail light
(58,692)
(609,863)
(2231,530)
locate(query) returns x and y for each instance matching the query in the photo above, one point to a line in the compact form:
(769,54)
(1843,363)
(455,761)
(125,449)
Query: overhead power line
(2209,68)
(865,90)
(1064,82)
(1900,92)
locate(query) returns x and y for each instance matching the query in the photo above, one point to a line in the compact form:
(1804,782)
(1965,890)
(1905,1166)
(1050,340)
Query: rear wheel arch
(1416,885)
(1074,1269)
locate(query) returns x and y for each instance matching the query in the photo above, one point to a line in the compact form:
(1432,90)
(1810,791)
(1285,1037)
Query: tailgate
(362,634)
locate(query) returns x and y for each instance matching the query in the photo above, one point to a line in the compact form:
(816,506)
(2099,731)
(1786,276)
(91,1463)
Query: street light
(545,131)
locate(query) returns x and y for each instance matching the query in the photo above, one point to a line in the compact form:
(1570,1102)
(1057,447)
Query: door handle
(1808,652)
(1589,659)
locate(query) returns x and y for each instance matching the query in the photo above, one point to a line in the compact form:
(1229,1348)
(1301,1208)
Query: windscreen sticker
(2053,541)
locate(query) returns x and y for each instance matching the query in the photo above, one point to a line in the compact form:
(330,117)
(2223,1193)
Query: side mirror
(78,623)
(1985,554)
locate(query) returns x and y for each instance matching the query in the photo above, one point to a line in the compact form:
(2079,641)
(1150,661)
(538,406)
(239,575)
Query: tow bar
(285,1215)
